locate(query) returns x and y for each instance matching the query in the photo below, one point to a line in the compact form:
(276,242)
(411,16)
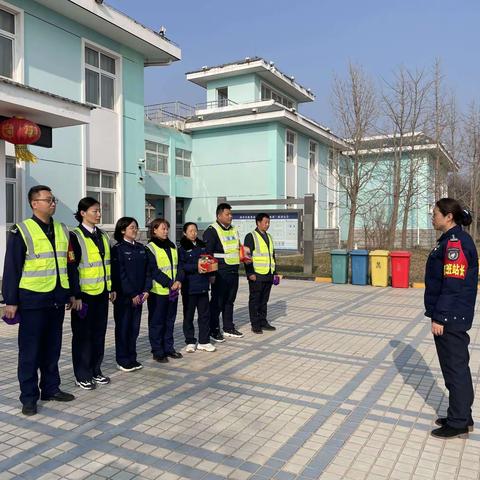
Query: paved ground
(347,387)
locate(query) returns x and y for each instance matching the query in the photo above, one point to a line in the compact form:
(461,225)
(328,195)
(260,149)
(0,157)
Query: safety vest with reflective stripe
(40,268)
(263,261)
(164,265)
(93,271)
(230,241)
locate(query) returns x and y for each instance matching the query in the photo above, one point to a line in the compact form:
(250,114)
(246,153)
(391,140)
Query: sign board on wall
(284,227)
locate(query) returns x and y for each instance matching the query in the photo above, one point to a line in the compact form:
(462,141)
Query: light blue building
(76,67)
(417,156)
(248,141)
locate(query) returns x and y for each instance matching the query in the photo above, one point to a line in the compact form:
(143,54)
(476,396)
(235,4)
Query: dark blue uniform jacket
(12,273)
(130,273)
(451,280)
(194,282)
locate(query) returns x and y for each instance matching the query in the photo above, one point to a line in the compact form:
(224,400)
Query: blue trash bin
(359,267)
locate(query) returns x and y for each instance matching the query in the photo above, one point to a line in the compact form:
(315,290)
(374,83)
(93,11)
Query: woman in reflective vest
(451,282)
(163,300)
(89,274)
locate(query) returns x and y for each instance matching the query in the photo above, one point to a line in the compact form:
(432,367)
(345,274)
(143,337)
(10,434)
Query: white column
(171,216)
(3,213)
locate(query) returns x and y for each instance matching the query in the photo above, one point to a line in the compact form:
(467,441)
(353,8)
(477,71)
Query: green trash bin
(339,266)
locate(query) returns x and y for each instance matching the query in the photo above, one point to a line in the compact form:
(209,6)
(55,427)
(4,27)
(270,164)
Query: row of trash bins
(400,267)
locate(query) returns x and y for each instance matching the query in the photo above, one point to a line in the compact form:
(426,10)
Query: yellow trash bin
(379,267)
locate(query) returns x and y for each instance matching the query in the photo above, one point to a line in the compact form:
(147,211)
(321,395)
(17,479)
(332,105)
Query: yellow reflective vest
(230,241)
(40,268)
(164,265)
(93,271)
(262,256)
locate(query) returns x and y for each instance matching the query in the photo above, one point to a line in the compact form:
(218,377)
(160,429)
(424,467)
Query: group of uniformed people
(48,268)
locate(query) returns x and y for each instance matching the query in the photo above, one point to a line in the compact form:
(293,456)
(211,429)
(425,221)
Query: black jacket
(194,282)
(130,275)
(214,245)
(74,257)
(451,280)
(12,273)
(249,270)
(164,280)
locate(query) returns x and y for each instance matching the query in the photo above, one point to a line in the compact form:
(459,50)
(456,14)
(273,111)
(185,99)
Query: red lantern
(21,132)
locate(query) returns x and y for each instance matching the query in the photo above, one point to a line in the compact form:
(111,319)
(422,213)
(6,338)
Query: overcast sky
(312,40)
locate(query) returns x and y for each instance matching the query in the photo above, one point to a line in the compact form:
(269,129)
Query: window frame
(158,156)
(294,144)
(284,100)
(183,160)
(100,190)
(17,41)
(17,185)
(102,73)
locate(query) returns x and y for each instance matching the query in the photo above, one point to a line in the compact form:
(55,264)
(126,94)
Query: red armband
(455,264)
(71,253)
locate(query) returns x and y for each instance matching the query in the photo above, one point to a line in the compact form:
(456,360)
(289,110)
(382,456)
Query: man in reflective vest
(223,243)
(35,289)
(260,273)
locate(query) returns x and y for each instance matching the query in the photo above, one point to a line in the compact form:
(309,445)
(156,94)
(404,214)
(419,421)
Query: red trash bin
(400,269)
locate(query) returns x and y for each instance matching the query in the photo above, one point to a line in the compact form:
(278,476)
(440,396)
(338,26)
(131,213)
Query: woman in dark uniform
(131,282)
(90,284)
(451,279)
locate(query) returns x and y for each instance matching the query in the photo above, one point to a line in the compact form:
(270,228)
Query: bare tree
(398,110)
(355,106)
(471,147)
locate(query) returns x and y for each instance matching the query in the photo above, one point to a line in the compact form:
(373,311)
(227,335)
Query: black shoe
(29,409)
(159,359)
(86,384)
(101,379)
(269,327)
(441,422)
(448,432)
(233,333)
(217,337)
(59,397)
(137,365)
(257,330)
(174,354)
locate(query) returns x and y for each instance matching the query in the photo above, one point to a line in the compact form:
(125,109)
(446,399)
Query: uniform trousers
(199,302)
(161,321)
(452,350)
(88,337)
(224,293)
(127,318)
(259,294)
(39,346)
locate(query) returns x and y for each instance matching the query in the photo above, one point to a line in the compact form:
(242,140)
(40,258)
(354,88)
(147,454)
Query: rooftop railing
(169,112)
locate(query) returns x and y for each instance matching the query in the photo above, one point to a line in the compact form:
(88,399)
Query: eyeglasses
(48,200)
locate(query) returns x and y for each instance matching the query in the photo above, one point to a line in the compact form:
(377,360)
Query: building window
(183,161)
(7,43)
(331,215)
(101,186)
(312,155)
(156,157)
(290,146)
(11,191)
(269,93)
(222,97)
(100,77)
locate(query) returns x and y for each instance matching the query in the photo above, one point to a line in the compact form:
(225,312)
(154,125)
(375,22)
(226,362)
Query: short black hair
(122,224)
(83,205)
(36,189)
(260,216)
(185,227)
(222,207)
